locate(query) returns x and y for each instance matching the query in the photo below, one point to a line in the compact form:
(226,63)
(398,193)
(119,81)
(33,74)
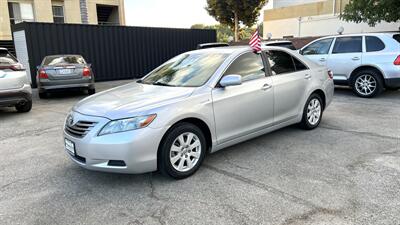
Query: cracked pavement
(345,172)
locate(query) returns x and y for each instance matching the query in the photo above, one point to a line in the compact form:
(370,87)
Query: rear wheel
(91,91)
(312,112)
(43,95)
(24,106)
(367,84)
(182,151)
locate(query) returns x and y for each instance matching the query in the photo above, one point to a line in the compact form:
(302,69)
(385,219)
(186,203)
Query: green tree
(372,11)
(197,26)
(234,12)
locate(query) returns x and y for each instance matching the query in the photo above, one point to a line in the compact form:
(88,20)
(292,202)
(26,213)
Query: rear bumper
(15,96)
(45,85)
(392,82)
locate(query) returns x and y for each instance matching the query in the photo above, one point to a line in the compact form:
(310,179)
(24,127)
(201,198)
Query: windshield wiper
(163,84)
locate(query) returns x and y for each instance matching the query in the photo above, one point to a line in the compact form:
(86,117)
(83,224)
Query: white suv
(15,88)
(367,62)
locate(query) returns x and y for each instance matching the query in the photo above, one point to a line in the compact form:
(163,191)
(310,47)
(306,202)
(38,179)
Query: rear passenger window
(347,45)
(396,37)
(249,65)
(299,65)
(374,44)
(280,62)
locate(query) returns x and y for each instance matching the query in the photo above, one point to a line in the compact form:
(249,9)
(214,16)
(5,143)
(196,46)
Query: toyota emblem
(70,120)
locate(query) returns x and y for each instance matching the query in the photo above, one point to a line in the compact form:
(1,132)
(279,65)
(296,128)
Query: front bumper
(12,97)
(392,82)
(137,148)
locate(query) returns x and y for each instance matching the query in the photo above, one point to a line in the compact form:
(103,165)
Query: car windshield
(186,70)
(63,60)
(6,58)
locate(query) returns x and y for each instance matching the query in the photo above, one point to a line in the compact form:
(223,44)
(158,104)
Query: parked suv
(367,62)
(15,88)
(64,72)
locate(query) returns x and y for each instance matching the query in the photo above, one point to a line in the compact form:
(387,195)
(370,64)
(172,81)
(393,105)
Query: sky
(167,13)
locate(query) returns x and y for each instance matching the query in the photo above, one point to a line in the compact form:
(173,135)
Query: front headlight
(128,124)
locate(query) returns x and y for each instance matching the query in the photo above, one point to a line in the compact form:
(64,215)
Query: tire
(43,95)
(91,91)
(182,153)
(24,107)
(313,109)
(367,83)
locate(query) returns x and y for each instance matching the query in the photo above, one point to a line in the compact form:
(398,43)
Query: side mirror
(231,80)
(301,52)
(37,67)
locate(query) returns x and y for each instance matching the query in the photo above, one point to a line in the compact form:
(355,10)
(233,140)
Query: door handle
(307,76)
(355,58)
(322,59)
(266,87)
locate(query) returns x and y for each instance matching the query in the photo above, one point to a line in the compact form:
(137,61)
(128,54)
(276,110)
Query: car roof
(63,55)
(361,34)
(277,41)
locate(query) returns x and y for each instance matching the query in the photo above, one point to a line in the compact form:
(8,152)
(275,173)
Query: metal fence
(115,52)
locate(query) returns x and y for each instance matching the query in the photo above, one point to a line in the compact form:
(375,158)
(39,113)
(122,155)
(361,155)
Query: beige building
(302,18)
(103,12)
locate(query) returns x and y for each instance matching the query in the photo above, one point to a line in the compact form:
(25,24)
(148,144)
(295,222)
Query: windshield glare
(186,70)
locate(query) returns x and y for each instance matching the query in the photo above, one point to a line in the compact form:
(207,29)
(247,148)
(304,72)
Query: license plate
(69,146)
(65,71)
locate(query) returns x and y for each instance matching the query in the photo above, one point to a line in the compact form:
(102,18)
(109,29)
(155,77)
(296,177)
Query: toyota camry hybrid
(196,103)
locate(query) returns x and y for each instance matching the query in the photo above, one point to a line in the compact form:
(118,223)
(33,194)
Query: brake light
(330,74)
(86,72)
(43,74)
(397,61)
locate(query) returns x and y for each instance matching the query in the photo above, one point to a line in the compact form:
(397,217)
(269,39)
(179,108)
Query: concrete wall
(320,26)
(43,12)
(5,29)
(273,4)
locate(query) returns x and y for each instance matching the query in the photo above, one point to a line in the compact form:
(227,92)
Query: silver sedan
(196,103)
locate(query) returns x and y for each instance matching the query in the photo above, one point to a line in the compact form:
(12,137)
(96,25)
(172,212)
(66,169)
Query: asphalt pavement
(345,172)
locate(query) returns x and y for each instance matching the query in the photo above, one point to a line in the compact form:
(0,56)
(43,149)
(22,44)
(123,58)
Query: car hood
(126,100)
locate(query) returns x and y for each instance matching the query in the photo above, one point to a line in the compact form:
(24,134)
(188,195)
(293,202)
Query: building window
(58,14)
(20,12)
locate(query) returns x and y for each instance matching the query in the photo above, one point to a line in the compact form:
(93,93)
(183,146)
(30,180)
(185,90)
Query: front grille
(79,129)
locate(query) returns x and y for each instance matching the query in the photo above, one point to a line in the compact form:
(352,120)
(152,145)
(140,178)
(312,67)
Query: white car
(367,62)
(15,88)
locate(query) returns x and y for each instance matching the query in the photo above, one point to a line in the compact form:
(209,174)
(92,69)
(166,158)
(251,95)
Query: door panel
(345,57)
(243,109)
(289,90)
(318,51)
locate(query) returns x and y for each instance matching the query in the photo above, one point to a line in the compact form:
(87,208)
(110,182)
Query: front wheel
(182,151)
(312,112)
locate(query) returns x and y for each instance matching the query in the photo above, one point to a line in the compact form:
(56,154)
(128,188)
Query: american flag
(255,42)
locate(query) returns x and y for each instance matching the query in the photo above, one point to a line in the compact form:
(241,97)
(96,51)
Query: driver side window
(319,47)
(249,65)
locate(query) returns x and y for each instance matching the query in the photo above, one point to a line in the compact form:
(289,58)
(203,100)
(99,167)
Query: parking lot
(345,172)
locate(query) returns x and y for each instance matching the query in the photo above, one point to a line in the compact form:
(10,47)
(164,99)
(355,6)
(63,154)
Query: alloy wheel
(314,111)
(185,152)
(365,84)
